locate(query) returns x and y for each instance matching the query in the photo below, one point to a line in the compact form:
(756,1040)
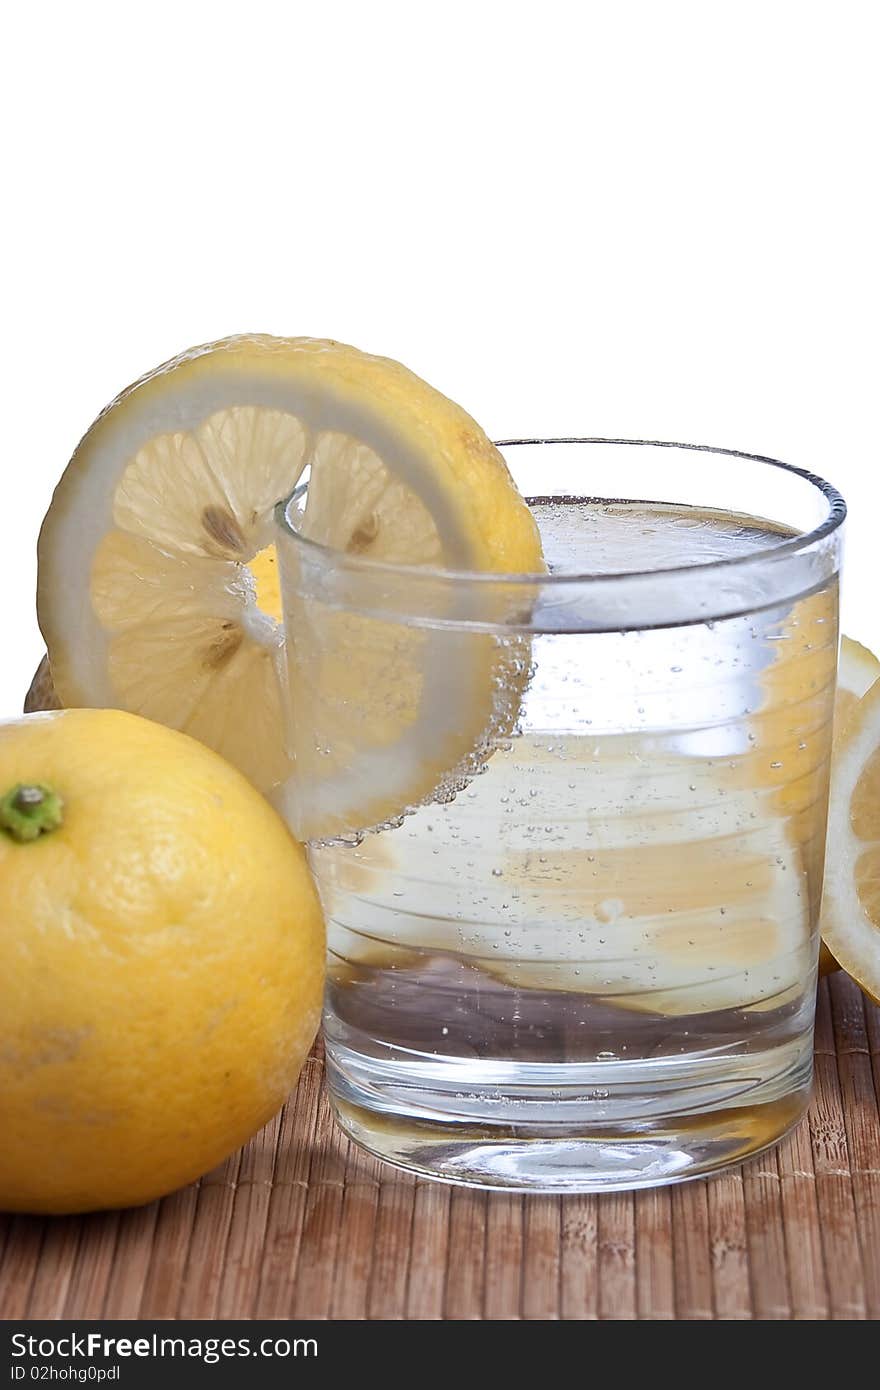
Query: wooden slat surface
(301,1224)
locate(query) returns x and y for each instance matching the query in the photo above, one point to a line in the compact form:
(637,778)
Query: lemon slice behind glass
(851,899)
(856,673)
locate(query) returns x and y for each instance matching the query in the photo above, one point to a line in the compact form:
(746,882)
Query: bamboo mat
(300,1224)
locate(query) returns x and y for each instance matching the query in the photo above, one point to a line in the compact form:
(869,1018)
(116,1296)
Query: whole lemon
(161,960)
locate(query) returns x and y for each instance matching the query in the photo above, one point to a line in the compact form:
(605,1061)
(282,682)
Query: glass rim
(787,546)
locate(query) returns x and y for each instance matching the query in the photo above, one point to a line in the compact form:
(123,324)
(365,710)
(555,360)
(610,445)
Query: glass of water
(573,942)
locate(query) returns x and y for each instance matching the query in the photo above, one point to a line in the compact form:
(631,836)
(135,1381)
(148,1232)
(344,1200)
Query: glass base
(565,1155)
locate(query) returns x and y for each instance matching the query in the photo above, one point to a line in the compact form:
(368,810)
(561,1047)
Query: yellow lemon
(161,960)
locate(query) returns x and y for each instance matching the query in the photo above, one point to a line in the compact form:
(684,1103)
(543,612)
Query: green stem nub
(28,811)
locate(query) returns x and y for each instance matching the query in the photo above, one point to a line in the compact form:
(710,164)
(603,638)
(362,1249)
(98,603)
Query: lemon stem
(28,811)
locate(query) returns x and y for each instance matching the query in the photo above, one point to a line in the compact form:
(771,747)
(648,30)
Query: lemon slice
(616,917)
(159,588)
(729,932)
(851,899)
(856,673)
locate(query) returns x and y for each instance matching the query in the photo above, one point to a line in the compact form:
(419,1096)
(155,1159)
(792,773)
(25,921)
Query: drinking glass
(568,827)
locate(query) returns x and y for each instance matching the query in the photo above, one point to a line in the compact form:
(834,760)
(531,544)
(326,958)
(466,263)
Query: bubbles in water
(609,909)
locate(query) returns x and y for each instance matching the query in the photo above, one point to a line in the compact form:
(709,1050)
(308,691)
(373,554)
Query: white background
(611,218)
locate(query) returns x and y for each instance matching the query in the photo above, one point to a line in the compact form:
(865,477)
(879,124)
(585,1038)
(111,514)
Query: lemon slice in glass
(158,585)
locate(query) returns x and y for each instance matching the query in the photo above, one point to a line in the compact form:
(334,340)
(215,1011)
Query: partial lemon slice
(159,589)
(856,673)
(851,899)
